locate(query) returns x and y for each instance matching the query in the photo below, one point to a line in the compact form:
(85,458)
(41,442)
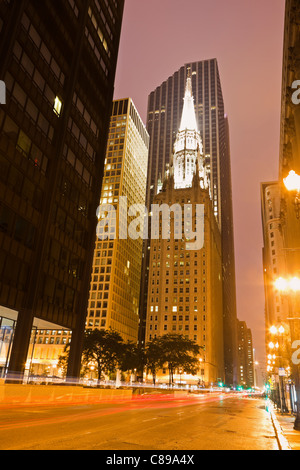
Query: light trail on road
(137,403)
(215,421)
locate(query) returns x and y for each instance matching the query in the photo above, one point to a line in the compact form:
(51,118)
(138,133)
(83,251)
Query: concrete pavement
(288,437)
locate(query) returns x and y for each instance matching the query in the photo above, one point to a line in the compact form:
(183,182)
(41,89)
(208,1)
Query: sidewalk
(288,437)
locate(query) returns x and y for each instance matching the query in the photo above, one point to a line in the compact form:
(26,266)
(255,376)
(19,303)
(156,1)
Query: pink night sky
(246,37)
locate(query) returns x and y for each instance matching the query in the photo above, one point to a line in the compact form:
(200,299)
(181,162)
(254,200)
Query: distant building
(165,105)
(245,350)
(116,274)
(58,62)
(185,281)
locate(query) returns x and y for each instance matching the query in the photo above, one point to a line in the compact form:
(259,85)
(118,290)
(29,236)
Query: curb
(281,439)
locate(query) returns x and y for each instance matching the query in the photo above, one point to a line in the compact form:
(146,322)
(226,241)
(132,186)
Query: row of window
(52,340)
(17,227)
(64,259)
(174,318)
(58,294)
(43,51)
(195,337)
(175,328)
(77,164)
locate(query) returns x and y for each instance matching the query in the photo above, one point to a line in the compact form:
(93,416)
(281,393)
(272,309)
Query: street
(212,422)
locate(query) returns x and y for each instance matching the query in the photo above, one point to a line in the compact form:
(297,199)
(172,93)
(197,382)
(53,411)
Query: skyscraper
(185,270)
(58,62)
(289,159)
(116,275)
(245,353)
(116,270)
(165,105)
(280,210)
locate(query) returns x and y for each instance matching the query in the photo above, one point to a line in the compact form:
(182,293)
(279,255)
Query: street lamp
(201,360)
(292,183)
(92,368)
(278,333)
(291,288)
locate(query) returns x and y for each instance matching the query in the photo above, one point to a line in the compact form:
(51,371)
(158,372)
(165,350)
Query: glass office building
(165,105)
(58,61)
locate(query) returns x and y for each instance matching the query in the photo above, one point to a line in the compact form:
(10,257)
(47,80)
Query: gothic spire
(188,120)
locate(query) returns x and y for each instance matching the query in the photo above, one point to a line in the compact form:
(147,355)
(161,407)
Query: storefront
(7,327)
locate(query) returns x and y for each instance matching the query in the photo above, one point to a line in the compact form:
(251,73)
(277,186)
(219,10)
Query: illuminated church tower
(188,147)
(185,283)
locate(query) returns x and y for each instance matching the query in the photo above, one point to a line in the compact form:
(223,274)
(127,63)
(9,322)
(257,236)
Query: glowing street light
(281,284)
(281,330)
(291,287)
(292,182)
(295,284)
(275,331)
(286,285)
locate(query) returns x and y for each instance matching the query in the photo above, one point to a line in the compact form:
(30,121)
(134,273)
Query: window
(57,106)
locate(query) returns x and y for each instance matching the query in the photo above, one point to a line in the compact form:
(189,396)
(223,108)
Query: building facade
(116,270)
(165,105)
(185,280)
(286,327)
(274,258)
(116,273)
(58,62)
(289,159)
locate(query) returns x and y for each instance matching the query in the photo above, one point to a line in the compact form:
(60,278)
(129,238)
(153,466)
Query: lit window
(57,106)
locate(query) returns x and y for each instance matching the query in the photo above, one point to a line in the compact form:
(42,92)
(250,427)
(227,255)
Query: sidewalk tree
(102,348)
(63,359)
(179,352)
(154,359)
(132,358)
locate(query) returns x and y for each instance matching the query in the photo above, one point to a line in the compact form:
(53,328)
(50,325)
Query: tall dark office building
(58,62)
(165,106)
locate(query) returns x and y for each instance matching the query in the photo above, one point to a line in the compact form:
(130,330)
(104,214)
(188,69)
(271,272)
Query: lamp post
(92,368)
(201,371)
(291,289)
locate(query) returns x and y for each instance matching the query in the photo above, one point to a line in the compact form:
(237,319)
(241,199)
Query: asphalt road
(220,422)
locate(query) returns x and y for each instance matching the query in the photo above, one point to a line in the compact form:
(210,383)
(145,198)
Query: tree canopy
(177,351)
(106,351)
(103,348)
